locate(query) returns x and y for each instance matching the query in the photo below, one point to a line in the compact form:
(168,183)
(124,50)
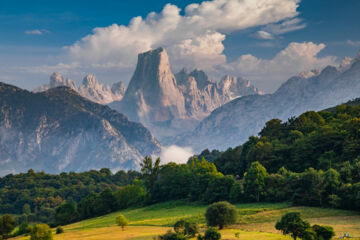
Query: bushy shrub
(41,232)
(210,234)
(59,230)
(221,214)
(172,236)
(121,221)
(186,228)
(24,228)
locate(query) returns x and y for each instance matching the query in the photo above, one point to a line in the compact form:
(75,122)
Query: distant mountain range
(170,104)
(59,130)
(90,88)
(232,123)
(68,128)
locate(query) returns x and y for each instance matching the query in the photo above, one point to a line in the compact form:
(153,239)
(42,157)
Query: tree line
(310,160)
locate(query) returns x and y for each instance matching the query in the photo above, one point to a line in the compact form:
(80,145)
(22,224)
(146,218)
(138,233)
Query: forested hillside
(311,160)
(39,194)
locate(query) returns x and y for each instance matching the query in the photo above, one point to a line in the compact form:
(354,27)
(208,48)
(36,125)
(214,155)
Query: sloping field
(256,221)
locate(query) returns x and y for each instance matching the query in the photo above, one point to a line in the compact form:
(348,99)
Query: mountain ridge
(90,88)
(170,104)
(63,131)
(232,123)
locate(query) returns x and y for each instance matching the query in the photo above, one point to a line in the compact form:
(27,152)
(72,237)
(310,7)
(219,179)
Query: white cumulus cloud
(270,73)
(175,154)
(193,39)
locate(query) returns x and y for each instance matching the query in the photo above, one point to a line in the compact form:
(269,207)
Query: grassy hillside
(255,221)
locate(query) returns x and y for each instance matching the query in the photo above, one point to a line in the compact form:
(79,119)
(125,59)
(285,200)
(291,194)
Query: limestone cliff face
(59,130)
(57,80)
(152,94)
(202,95)
(170,104)
(90,88)
(232,123)
(97,92)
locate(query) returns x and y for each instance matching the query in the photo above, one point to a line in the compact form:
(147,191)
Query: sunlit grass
(255,221)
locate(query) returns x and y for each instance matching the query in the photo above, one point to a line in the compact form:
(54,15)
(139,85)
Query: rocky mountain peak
(309,74)
(169,103)
(153,90)
(345,63)
(90,81)
(56,80)
(118,88)
(59,130)
(90,88)
(201,78)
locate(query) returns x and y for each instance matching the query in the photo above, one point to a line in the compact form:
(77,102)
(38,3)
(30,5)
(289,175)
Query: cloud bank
(295,58)
(192,39)
(175,154)
(195,38)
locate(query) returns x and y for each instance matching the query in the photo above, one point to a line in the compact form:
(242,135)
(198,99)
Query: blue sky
(34,33)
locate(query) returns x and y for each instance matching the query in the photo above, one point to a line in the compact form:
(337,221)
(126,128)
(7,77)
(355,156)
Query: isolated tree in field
(292,224)
(254,181)
(220,214)
(121,221)
(324,232)
(41,232)
(7,224)
(150,171)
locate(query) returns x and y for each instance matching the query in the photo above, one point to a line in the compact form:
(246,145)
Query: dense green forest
(38,194)
(312,160)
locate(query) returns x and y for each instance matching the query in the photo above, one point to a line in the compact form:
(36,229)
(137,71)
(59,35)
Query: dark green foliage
(121,221)
(66,213)
(103,203)
(254,181)
(219,189)
(210,234)
(26,209)
(7,224)
(41,232)
(209,156)
(220,214)
(150,171)
(236,193)
(309,234)
(41,193)
(229,162)
(186,228)
(130,195)
(173,182)
(321,140)
(24,228)
(292,224)
(172,236)
(323,232)
(59,230)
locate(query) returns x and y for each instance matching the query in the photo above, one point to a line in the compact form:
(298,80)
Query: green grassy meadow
(255,221)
